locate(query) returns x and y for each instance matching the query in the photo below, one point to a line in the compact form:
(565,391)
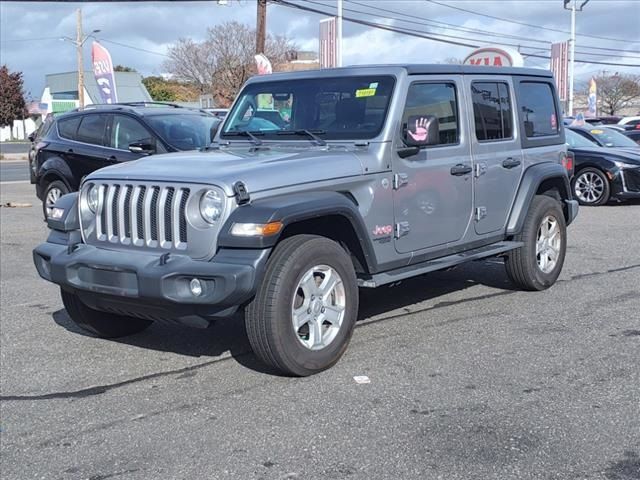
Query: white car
(630,123)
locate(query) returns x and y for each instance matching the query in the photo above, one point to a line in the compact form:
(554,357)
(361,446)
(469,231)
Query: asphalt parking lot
(470,379)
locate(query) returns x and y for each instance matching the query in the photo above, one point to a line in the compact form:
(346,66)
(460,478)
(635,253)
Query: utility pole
(261,26)
(339,35)
(572,52)
(79,42)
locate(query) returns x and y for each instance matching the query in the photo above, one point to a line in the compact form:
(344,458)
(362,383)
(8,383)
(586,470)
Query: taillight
(568,162)
(637,126)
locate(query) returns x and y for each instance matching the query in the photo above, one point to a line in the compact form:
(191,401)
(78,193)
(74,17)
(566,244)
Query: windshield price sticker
(365,92)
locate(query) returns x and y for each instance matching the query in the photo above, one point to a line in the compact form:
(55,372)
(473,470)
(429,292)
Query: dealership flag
(263,64)
(560,68)
(593,98)
(103,71)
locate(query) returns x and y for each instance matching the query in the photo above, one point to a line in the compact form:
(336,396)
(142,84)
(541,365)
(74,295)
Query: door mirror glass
(145,147)
(422,131)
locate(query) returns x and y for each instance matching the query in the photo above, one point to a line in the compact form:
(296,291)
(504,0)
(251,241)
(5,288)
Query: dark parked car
(602,173)
(607,137)
(77,143)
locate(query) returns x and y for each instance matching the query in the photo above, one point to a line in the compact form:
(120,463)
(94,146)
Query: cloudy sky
(143,31)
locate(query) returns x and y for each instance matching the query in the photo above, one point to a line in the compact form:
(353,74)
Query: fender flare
(533,177)
(294,208)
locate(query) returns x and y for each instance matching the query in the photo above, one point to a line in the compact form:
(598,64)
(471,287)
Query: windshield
(576,140)
(185,131)
(331,108)
(611,138)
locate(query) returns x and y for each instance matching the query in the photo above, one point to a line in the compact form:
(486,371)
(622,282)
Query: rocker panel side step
(437,264)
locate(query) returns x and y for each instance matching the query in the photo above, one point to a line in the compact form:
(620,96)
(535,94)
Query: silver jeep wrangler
(319,183)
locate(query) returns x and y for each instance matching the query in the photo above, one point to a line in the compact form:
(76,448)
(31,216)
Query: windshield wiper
(246,133)
(310,133)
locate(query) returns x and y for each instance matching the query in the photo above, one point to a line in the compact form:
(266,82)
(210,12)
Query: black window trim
(511,103)
(458,112)
(546,140)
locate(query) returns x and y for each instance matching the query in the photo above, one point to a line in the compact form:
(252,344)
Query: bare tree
(224,60)
(616,92)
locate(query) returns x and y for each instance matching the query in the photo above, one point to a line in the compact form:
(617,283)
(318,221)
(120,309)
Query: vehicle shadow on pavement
(226,338)
(427,287)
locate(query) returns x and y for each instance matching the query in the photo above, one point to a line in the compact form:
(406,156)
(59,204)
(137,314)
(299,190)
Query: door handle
(70,150)
(461,169)
(511,163)
(112,159)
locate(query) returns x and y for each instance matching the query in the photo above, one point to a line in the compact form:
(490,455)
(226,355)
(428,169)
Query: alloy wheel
(548,244)
(589,187)
(318,307)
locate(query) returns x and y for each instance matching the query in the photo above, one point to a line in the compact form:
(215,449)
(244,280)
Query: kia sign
(103,71)
(494,57)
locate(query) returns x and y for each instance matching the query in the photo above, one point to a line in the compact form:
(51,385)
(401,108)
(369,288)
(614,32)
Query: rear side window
(126,130)
(91,130)
(538,109)
(438,99)
(68,127)
(492,111)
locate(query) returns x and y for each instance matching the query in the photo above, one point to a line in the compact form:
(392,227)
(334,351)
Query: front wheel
(101,324)
(538,263)
(305,310)
(591,187)
(52,193)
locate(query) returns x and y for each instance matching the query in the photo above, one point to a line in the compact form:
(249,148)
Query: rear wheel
(101,324)
(52,193)
(305,310)
(591,187)
(538,263)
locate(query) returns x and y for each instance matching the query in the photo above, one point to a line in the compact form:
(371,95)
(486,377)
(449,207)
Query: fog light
(195,286)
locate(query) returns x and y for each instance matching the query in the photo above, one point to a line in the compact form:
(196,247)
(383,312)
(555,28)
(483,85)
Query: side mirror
(422,131)
(144,147)
(32,136)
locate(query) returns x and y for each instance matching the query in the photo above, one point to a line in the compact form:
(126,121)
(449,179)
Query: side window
(67,127)
(126,130)
(439,100)
(492,111)
(538,109)
(92,129)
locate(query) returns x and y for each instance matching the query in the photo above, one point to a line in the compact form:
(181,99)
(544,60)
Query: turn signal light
(256,229)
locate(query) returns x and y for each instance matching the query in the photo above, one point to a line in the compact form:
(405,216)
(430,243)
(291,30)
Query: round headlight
(92,198)
(211,205)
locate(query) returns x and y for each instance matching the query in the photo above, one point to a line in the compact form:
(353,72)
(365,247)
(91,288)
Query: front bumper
(151,286)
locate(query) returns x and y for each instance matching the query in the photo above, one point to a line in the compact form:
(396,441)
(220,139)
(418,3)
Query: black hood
(613,153)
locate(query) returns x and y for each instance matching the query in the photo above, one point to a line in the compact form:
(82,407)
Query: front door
(433,189)
(496,151)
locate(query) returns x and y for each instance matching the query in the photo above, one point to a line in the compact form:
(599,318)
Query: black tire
(269,316)
(60,186)
(522,264)
(101,324)
(599,197)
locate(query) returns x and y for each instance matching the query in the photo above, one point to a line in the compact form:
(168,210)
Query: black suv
(77,143)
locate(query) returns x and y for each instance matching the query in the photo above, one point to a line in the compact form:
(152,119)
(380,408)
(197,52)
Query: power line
(484,32)
(523,23)
(421,34)
(465,29)
(134,48)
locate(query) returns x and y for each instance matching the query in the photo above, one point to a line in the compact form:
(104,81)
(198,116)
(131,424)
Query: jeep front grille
(152,216)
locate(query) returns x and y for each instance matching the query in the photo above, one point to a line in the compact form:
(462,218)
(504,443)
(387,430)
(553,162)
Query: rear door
(496,150)
(433,189)
(88,151)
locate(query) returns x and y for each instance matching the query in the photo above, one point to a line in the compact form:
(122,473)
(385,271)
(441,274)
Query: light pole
(572,52)
(79,42)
